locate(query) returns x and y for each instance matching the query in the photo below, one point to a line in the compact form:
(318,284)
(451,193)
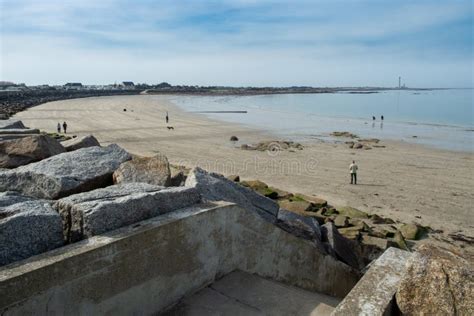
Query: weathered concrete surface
(11,123)
(240,293)
(95,212)
(80,142)
(216,187)
(67,173)
(22,151)
(27,227)
(146,267)
(437,282)
(374,293)
(152,170)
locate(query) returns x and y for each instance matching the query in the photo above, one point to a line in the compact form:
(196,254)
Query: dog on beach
(170,127)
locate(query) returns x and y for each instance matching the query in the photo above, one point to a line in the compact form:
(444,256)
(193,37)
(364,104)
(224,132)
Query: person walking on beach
(64,127)
(381,117)
(353,170)
(59,128)
(373,118)
(167,117)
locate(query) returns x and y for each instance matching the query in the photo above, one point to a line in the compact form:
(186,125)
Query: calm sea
(440,118)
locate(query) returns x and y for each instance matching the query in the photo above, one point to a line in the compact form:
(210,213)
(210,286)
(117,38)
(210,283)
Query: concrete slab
(374,293)
(240,293)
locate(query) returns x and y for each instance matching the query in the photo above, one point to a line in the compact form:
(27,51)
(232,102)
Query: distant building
(128,85)
(73,86)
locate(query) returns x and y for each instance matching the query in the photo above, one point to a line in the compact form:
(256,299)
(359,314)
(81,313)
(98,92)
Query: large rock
(22,151)
(437,282)
(352,212)
(299,225)
(11,123)
(95,212)
(215,187)
(299,207)
(152,170)
(67,173)
(344,249)
(409,231)
(27,227)
(80,142)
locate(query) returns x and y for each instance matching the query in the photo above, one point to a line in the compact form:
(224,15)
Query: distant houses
(128,85)
(73,86)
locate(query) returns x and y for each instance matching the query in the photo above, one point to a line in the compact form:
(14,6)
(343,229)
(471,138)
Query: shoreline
(406,182)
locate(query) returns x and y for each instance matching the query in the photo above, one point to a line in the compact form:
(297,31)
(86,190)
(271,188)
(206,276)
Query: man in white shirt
(353,169)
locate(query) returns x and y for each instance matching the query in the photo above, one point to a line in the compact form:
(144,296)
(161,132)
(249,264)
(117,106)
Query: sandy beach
(406,182)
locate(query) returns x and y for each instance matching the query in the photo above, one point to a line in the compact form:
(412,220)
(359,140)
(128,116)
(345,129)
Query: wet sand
(403,181)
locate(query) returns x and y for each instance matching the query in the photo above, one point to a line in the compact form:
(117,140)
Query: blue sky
(239,43)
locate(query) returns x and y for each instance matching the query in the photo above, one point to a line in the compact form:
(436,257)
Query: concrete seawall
(149,266)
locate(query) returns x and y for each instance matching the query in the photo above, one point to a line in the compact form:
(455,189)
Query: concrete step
(240,293)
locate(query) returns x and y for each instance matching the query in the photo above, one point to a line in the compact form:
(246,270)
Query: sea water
(437,118)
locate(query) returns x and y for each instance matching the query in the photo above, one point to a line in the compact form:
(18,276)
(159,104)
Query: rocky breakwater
(70,195)
(12,102)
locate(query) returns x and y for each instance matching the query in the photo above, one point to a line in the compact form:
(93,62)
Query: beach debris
(22,151)
(234,138)
(344,134)
(273,146)
(151,170)
(436,282)
(80,142)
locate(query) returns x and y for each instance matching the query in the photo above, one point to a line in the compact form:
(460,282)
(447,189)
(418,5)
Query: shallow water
(441,118)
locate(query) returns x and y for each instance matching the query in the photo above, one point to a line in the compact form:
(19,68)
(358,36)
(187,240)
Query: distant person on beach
(381,117)
(353,170)
(64,127)
(373,118)
(167,117)
(59,128)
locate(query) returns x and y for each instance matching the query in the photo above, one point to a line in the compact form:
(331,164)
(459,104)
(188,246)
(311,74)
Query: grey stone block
(95,212)
(67,173)
(80,142)
(27,227)
(11,123)
(215,187)
(299,225)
